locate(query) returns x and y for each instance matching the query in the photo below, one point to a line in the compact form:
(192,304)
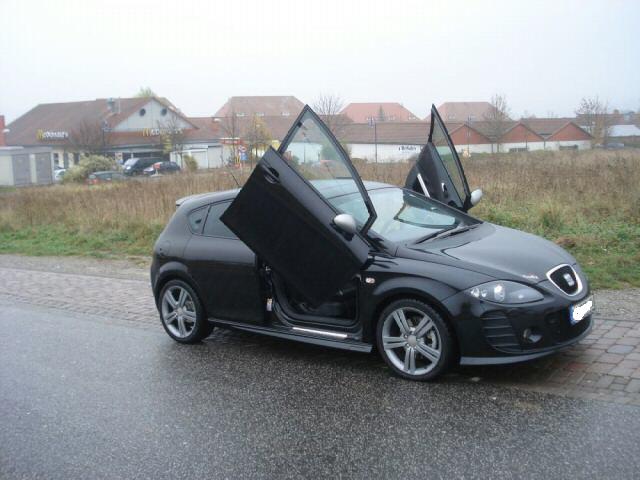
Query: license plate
(580,310)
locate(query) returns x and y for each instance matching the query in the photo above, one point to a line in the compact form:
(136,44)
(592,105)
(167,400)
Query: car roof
(329,188)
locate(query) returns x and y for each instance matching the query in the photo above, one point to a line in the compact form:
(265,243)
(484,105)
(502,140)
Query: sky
(544,56)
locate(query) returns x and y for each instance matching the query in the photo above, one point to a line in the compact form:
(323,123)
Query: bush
(190,163)
(88,165)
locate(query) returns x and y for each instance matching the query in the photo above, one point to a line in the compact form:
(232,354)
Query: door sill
(315,336)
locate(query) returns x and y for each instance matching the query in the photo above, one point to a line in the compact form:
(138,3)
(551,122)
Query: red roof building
(378,112)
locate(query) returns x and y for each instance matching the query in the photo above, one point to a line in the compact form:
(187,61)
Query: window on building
(518,149)
(241,114)
(76,158)
(568,147)
(163,112)
(213,226)
(260,114)
(142,112)
(285,114)
(56,159)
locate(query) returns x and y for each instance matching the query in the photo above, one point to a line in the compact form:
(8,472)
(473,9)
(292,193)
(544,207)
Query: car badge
(569,280)
(531,276)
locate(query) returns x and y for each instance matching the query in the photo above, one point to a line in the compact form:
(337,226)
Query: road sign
(242,149)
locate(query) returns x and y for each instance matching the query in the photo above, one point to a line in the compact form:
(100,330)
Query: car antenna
(234,177)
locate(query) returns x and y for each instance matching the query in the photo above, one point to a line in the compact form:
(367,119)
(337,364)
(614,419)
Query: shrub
(190,163)
(88,165)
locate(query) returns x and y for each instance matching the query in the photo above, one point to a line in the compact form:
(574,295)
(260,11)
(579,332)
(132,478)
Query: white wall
(207,156)
(151,119)
(582,144)
(6,169)
(386,152)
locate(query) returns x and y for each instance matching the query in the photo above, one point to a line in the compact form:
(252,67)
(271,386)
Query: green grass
(63,240)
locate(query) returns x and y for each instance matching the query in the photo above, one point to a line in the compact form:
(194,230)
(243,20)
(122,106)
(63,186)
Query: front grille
(564,277)
(499,332)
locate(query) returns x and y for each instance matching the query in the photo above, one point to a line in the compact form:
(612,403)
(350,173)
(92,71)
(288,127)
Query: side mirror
(346,224)
(476,196)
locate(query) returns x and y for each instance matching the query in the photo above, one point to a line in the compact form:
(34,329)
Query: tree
(497,119)
(257,137)
(145,92)
(172,135)
(230,127)
(329,107)
(594,115)
(382,117)
(90,137)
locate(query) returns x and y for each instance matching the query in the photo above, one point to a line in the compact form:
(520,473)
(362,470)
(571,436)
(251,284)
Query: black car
(162,168)
(136,166)
(316,255)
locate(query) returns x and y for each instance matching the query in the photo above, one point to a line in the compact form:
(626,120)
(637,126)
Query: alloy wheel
(411,341)
(178,312)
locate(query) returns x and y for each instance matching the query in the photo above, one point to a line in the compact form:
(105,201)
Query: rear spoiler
(180,201)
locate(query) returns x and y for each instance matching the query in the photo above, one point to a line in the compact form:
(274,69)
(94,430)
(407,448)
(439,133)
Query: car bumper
(490,334)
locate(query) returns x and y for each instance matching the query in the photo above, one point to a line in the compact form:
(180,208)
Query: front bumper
(490,334)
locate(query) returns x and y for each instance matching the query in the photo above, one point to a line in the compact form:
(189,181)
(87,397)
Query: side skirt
(314,336)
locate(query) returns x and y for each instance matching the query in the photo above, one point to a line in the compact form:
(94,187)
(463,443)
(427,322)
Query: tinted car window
(196,219)
(402,215)
(214,227)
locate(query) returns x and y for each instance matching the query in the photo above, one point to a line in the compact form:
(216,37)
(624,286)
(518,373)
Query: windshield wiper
(447,232)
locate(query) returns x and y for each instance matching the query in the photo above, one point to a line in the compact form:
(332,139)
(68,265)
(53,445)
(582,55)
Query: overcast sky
(544,56)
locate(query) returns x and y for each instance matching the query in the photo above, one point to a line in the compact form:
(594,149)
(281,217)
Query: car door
(438,172)
(284,212)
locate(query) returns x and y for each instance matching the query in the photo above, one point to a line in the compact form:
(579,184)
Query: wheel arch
(421,292)
(175,271)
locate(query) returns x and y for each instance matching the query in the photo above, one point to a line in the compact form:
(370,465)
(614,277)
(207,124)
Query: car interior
(339,310)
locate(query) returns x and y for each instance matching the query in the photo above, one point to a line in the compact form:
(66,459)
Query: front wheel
(182,314)
(414,340)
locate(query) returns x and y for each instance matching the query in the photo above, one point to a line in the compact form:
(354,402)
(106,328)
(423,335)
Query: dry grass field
(588,202)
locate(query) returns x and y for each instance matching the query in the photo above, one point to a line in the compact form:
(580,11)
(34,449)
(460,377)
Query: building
(393,142)
(465,111)
(261,106)
(119,127)
(379,112)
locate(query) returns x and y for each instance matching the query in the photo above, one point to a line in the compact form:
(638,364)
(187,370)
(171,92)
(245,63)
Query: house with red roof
(119,127)
(379,112)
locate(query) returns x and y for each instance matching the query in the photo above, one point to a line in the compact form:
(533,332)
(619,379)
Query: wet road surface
(94,397)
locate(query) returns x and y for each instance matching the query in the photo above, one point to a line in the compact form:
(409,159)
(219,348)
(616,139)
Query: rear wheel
(181,312)
(414,340)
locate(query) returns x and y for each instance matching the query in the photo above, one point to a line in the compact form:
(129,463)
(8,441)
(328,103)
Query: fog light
(531,335)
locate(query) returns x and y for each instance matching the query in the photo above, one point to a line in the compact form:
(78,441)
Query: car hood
(496,251)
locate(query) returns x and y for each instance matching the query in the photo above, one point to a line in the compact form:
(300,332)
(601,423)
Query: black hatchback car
(135,166)
(307,251)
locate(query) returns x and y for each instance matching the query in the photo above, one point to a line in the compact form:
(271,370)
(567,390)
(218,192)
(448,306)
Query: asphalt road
(93,397)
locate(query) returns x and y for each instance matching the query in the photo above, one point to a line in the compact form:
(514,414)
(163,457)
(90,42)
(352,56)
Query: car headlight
(503,291)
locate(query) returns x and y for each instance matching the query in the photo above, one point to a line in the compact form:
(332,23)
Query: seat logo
(569,279)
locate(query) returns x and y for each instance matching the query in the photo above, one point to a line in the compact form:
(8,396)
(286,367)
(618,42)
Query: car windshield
(130,162)
(403,216)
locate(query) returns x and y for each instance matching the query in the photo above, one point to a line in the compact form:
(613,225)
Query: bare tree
(89,137)
(257,137)
(173,135)
(594,115)
(382,117)
(329,107)
(497,119)
(230,126)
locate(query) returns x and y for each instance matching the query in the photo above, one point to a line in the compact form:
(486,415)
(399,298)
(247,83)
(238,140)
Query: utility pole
(374,124)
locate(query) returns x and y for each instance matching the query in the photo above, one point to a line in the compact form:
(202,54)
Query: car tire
(414,340)
(182,314)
